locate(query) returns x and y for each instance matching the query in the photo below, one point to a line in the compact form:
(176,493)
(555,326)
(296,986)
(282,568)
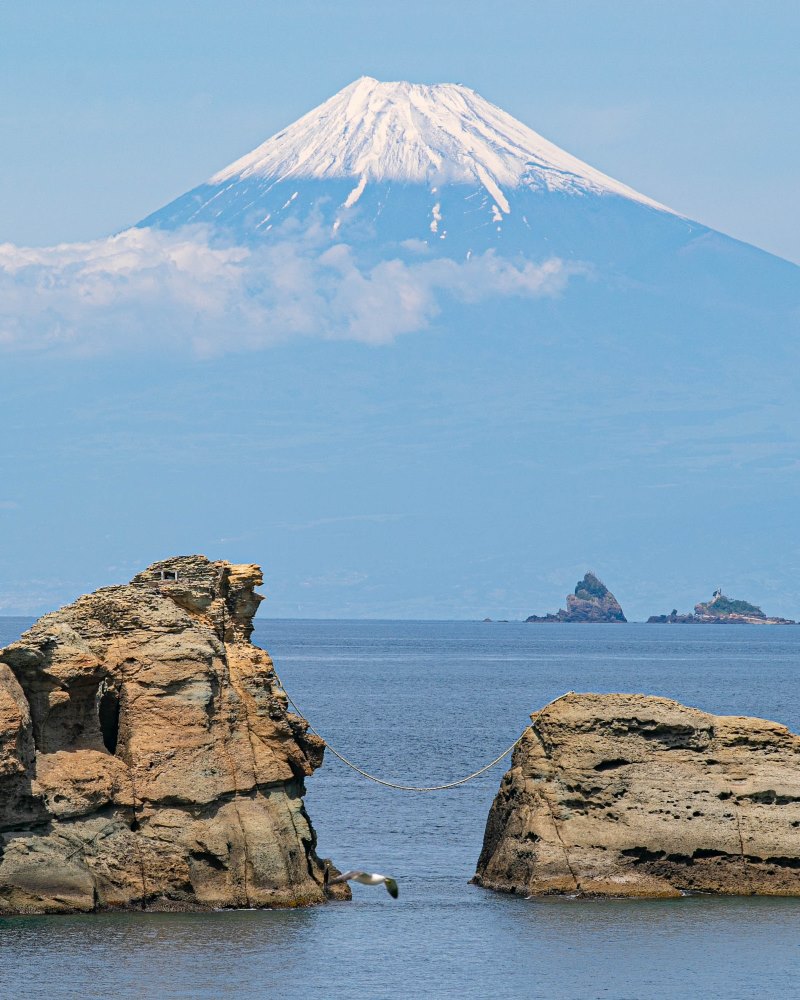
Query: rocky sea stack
(592,601)
(147,759)
(628,795)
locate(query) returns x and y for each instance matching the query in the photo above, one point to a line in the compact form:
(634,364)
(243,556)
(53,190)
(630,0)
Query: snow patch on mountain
(413,133)
(356,193)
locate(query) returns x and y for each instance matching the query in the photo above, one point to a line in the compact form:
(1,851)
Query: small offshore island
(591,601)
(720,610)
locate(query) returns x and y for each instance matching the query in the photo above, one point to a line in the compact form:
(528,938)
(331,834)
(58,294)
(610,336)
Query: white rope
(394,784)
(419,788)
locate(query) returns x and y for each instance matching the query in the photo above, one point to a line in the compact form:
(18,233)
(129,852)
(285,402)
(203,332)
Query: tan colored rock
(629,795)
(147,758)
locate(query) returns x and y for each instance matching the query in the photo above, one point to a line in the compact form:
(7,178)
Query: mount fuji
(450,366)
(407,172)
(401,168)
(644,414)
(401,161)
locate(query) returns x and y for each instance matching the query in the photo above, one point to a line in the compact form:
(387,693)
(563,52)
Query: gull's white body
(366,878)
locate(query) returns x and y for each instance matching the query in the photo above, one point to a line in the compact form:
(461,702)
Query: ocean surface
(424,703)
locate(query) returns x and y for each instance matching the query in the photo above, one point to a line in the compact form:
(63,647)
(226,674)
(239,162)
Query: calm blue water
(425,702)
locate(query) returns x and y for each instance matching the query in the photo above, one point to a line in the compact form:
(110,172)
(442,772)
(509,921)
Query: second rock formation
(628,795)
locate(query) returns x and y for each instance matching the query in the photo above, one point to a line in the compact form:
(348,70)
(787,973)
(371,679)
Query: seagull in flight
(365,878)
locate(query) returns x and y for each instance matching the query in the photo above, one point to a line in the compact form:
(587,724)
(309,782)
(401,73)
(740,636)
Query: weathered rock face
(591,602)
(627,795)
(146,755)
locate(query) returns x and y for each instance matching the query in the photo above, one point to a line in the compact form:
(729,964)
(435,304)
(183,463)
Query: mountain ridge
(373,130)
(460,162)
(401,170)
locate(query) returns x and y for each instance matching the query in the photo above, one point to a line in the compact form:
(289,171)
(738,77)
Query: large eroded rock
(146,755)
(628,795)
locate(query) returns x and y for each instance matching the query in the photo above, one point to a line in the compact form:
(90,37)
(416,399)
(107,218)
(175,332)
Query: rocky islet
(148,760)
(631,795)
(147,757)
(720,610)
(591,601)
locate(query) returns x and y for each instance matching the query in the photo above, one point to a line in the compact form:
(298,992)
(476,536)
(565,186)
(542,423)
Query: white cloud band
(147,289)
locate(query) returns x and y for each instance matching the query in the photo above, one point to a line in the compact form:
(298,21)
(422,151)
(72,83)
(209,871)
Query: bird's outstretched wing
(366,878)
(344,877)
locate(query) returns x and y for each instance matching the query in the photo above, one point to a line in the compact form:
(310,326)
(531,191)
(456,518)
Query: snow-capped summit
(385,163)
(418,134)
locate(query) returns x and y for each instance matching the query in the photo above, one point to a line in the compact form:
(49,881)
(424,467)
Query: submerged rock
(592,601)
(720,610)
(628,795)
(147,758)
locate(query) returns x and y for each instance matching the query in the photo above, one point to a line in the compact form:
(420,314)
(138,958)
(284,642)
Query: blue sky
(109,110)
(473,458)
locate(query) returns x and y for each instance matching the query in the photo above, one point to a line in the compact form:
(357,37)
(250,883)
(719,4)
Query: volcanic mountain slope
(410,171)
(404,161)
(637,413)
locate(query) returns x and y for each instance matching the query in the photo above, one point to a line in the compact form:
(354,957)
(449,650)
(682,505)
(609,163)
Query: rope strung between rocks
(394,784)
(417,788)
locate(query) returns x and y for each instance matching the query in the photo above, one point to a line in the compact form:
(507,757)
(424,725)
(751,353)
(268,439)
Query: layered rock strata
(592,601)
(147,758)
(628,795)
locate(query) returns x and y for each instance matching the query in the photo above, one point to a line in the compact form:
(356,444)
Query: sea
(424,703)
